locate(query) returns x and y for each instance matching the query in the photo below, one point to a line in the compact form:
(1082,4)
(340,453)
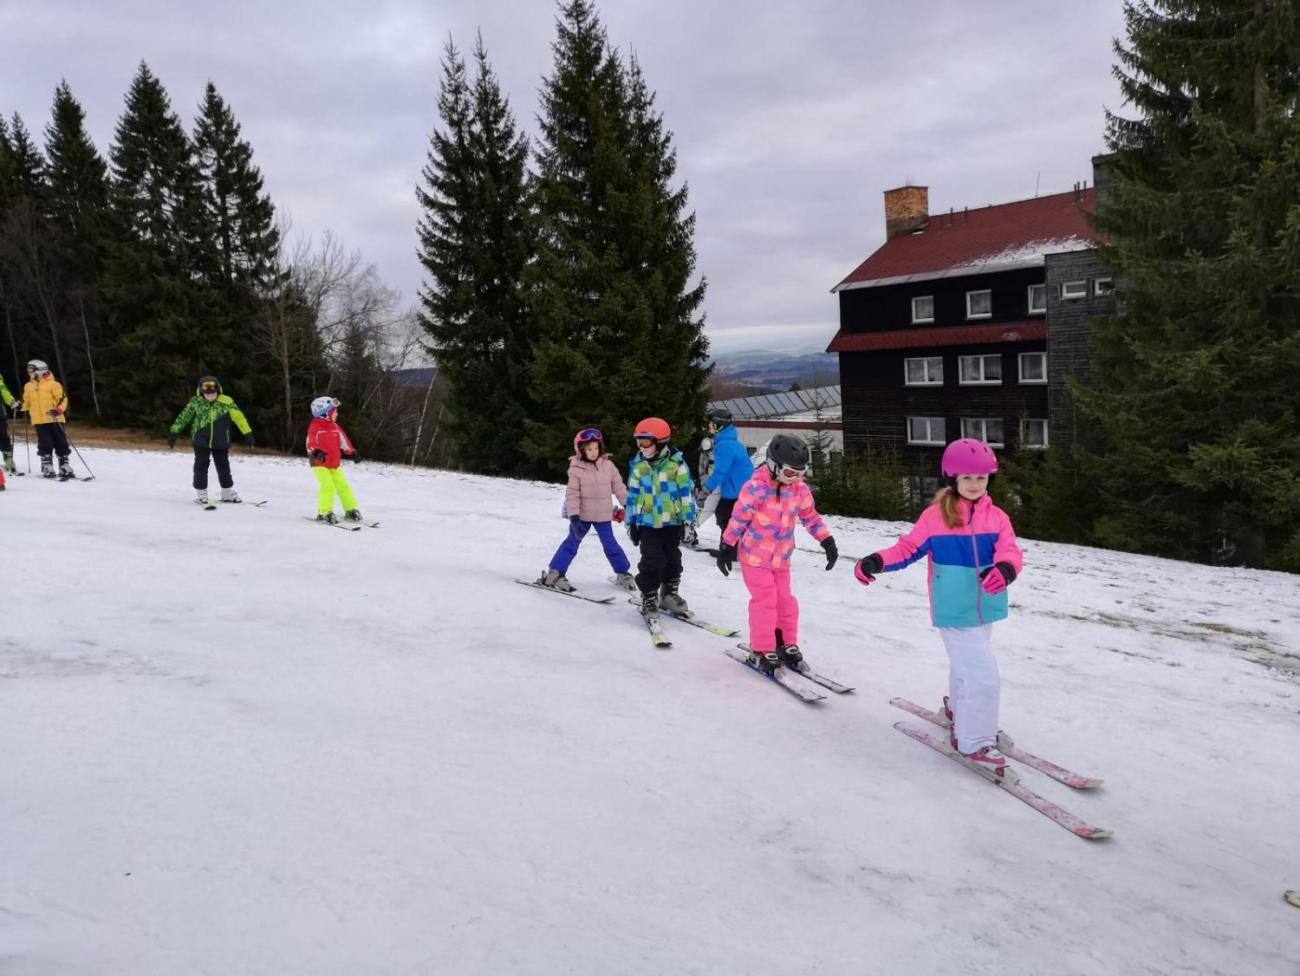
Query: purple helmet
(968,456)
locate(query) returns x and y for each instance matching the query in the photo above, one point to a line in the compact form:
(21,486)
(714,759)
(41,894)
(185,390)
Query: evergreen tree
(1196,375)
(77,210)
(163,249)
(26,168)
(615,312)
(238,208)
(475,243)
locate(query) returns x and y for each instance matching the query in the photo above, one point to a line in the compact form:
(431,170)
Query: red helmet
(654,427)
(968,456)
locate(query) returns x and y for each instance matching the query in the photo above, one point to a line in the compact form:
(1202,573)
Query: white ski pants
(974,686)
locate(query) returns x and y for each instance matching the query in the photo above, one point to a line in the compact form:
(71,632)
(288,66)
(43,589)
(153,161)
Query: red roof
(957,335)
(1017,233)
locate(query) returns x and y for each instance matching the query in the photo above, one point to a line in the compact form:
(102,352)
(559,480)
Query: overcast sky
(789,121)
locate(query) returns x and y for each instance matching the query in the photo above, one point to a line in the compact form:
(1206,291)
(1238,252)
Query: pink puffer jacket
(590,485)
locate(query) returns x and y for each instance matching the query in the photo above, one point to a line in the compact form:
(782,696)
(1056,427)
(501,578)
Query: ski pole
(79,457)
(27,438)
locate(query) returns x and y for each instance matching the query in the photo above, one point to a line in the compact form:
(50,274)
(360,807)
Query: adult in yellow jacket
(47,406)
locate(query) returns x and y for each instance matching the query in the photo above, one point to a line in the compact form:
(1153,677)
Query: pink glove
(866,567)
(993,582)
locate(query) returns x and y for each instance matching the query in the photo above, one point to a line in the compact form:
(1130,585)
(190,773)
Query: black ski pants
(221,458)
(723,512)
(661,557)
(6,445)
(51,439)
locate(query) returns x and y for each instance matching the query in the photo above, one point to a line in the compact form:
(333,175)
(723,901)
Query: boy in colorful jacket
(763,524)
(660,505)
(972,556)
(327,445)
(47,406)
(11,402)
(207,419)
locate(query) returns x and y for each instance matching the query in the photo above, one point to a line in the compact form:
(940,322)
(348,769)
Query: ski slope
(238,743)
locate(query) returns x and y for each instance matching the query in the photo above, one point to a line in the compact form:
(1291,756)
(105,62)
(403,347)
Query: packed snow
(235,742)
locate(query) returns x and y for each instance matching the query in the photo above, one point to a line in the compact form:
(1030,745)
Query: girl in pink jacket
(972,556)
(762,525)
(593,478)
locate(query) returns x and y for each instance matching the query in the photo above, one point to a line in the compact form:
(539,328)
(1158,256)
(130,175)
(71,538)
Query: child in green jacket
(207,419)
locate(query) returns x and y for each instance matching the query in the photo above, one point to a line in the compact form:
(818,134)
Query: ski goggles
(209,387)
(792,473)
(590,434)
(646,441)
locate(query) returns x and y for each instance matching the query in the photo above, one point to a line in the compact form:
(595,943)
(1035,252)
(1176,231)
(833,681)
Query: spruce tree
(615,310)
(163,250)
(475,243)
(1196,375)
(77,210)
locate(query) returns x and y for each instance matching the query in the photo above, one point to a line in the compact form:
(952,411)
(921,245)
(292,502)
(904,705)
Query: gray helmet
(720,416)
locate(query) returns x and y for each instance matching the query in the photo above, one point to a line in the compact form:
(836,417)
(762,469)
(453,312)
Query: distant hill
(779,371)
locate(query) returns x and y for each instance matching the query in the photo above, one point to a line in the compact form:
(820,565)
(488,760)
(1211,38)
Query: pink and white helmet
(968,456)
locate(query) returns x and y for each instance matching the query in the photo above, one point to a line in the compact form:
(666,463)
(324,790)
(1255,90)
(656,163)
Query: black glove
(871,565)
(354,458)
(250,440)
(726,558)
(832,553)
(318,456)
(171,439)
(634,534)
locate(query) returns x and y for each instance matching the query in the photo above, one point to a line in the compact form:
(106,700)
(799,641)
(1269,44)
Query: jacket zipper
(975,557)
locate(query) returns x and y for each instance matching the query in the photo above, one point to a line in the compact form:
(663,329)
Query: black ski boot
(47,467)
(650,605)
(65,470)
(790,656)
(765,661)
(670,600)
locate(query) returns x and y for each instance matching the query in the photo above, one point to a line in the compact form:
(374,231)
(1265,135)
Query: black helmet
(787,451)
(207,384)
(720,416)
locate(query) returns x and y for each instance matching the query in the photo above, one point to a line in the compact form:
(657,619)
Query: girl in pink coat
(762,525)
(971,552)
(593,478)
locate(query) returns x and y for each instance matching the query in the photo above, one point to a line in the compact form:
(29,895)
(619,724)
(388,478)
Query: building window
(923,372)
(922,309)
(925,430)
(1037,299)
(977,370)
(1033,367)
(1103,286)
(1033,434)
(1073,289)
(986,429)
(979,304)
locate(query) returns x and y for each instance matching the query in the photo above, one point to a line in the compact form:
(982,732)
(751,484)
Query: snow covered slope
(237,743)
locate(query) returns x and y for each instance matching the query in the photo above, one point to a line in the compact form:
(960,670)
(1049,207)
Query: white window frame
(1072,290)
(1103,286)
(916,319)
(982,381)
(929,430)
(978,428)
(1029,299)
(1020,368)
(1024,440)
(929,379)
(979,315)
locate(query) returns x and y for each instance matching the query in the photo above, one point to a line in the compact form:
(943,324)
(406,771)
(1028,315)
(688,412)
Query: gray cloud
(789,121)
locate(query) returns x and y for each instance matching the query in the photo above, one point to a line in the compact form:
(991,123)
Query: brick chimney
(906,208)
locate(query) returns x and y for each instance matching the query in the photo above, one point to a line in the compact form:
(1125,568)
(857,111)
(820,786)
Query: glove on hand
(318,456)
(18,407)
(996,578)
(634,534)
(864,572)
(250,440)
(55,413)
(354,458)
(726,558)
(620,514)
(832,553)
(171,440)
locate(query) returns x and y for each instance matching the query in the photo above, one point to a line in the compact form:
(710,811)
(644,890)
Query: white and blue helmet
(323,406)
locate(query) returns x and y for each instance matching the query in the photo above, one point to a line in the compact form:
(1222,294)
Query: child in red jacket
(327,444)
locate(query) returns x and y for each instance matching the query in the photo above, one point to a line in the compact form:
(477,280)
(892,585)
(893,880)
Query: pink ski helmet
(584,436)
(968,456)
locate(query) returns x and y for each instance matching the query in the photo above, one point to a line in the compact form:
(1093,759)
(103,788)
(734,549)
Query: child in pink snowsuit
(762,525)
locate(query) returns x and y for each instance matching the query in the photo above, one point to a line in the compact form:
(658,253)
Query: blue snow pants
(577,531)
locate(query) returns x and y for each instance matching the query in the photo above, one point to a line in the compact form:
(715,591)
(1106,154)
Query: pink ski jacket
(590,485)
(956,557)
(764,518)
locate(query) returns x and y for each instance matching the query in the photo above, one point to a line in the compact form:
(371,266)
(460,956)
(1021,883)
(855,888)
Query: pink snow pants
(771,605)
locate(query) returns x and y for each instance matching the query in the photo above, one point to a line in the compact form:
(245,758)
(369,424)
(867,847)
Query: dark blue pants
(577,531)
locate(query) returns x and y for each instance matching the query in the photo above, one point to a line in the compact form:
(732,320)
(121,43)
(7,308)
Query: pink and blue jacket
(956,557)
(764,518)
